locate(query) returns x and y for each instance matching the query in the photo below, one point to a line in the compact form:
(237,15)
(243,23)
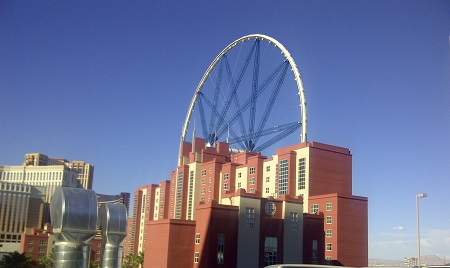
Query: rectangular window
(41,250)
(239,185)
(196,257)
(301,174)
(267,179)
(293,221)
(328,247)
(270,251)
(203,190)
(267,190)
(251,190)
(252,170)
(225,186)
(179,195)
(328,233)
(252,181)
(203,181)
(209,188)
(314,208)
(268,168)
(239,174)
(329,220)
(329,206)
(250,217)
(220,248)
(197,238)
(284,175)
(204,172)
(210,170)
(225,176)
(31,241)
(42,242)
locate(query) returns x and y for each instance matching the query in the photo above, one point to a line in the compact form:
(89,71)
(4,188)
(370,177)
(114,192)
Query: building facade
(21,208)
(85,171)
(317,175)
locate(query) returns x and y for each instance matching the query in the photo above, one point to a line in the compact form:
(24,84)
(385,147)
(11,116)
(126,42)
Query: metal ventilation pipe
(73,214)
(113,223)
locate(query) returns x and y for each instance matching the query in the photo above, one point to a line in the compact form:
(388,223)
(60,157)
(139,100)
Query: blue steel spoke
(265,132)
(236,102)
(272,100)
(233,91)
(234,136)
(254,92)
(262,87)
(216,95)
(202,116)
(277,138)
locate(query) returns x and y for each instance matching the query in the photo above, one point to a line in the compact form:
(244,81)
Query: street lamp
(418,226)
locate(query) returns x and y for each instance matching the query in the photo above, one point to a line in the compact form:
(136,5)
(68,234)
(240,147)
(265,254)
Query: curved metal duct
(113,223)
(74,218)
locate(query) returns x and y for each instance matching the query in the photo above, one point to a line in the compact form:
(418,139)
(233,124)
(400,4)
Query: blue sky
(110,83)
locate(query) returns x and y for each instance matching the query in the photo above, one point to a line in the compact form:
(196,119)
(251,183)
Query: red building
(201,217)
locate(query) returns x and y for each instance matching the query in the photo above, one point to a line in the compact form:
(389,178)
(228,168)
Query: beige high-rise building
(49,177)
(85,171)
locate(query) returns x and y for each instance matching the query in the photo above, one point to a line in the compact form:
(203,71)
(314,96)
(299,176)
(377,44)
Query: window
(203,181)
(203,190)
(42,242)
(251,190)
(267,190)
(30,248)
(329,220)
(31,241)
(268,168)
(220,248)
(314,208)
(225,176)
(250,217)
(239,185)
(209,188)
(41,250)
(267,179)
(329,206)
(283,179)
(210,170)
(328,247)
(196,257)
(179,195)
(270,251)
(225,186)
(252,170)
(204,172)
(239,174)
(197,238)
(252,181)
(328,233)
(293,221)
(210,179)
(301,174)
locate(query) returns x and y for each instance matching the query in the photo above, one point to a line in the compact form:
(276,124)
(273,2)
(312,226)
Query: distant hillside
(430,260)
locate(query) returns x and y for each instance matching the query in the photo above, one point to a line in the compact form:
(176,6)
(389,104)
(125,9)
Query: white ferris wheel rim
(287,56)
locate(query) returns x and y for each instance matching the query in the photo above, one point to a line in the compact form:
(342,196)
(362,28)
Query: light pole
(418,226)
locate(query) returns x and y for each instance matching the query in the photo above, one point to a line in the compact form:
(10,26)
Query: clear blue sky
(110,83)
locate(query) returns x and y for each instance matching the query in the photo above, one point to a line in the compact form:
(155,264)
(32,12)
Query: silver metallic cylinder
(73,214)
(113,224)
